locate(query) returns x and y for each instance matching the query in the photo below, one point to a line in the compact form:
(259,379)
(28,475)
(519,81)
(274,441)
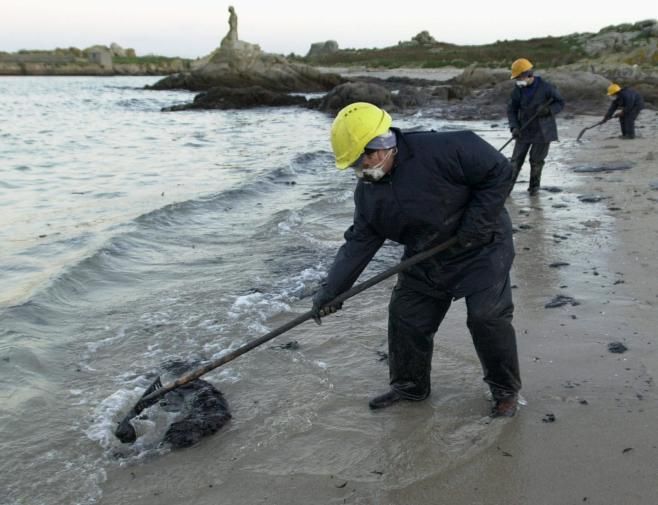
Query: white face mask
(373,174)
(370,174)
(522,83)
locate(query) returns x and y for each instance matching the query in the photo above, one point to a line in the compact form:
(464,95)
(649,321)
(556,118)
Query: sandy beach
(587,433)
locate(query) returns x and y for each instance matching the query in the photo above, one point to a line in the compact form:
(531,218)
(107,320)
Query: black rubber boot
(535,178)
(505,407)
(385,400)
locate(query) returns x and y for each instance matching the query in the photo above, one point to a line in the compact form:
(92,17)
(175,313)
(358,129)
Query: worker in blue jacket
(420,189)
(630,103)
(531,112)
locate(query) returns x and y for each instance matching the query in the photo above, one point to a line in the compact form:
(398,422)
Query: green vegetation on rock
(551,51)
(633,43)
(149,59)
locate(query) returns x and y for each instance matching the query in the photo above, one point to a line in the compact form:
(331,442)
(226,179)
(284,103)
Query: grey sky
(194,27)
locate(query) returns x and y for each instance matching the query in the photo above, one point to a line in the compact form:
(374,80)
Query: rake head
(125,430)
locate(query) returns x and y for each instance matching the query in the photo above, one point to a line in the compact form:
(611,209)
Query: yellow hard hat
(613,89)
(355,126)
(519,66)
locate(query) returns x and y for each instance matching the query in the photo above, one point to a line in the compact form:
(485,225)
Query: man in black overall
(532,97)
(630,103)
(420,189)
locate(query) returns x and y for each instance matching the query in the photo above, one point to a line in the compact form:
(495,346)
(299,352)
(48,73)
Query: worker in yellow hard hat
(420,189)
(630,103)
(531,111)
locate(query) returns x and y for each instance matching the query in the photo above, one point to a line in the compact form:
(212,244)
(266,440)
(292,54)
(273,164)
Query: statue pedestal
(231,55)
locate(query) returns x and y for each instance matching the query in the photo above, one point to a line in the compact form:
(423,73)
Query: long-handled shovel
(525,125)
(582,132)
(125,431)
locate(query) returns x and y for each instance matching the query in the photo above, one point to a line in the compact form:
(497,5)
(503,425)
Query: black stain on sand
(293,345)
(602,167)
(617,348)
(591,198)
(561,300)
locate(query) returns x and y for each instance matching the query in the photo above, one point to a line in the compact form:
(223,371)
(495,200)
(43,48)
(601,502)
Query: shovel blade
(582,132)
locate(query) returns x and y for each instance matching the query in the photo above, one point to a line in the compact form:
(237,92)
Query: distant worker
(531,114)
(630,102)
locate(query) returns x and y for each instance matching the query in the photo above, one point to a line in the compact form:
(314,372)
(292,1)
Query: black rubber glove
(466,242)
(544,110)
(516,133)
(321,306)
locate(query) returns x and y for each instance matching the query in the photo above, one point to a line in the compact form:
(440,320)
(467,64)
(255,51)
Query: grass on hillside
(546,51)
(144,60)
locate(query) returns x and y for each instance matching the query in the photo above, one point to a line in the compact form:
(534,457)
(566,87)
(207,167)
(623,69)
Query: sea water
(131,236)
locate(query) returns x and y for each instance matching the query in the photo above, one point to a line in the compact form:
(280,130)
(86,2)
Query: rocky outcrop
(244,64)
(580,86)
(642,79)
(388,94)
(424,39)
(478,92)
(175,65)
(94,60)
(490,89)
(618,42)
(220,97)
(119,52)
(351,92)
(584,91)
(479,77)
(237,63)
(320,49)
(70,61)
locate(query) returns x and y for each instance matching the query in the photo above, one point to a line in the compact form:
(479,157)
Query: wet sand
(587,434)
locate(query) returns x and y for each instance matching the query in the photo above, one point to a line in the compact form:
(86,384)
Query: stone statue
(232,36)
(232,51)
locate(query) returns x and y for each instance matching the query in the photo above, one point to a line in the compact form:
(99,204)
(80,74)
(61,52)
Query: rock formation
(221,97)
(240,64)
(237,63)
(620,42)
(489,89)
(94,60)
(320,49)
(424,39)
(390,95)
(117,50)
